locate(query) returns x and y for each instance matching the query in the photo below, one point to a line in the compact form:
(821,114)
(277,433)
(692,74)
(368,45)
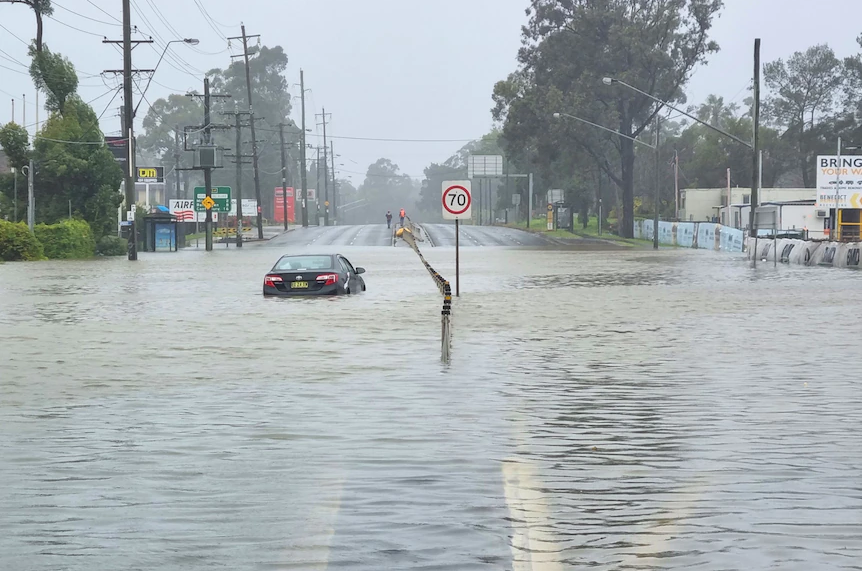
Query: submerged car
(313,274)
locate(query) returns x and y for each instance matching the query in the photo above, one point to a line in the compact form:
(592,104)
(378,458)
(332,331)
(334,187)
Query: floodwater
(605,410)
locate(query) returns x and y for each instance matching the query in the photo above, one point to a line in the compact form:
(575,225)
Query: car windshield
(304,263)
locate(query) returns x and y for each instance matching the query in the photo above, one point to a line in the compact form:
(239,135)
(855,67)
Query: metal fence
(410,238)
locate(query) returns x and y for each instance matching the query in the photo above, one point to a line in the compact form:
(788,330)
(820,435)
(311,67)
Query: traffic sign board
(220,196)
(208,202)
(457,200)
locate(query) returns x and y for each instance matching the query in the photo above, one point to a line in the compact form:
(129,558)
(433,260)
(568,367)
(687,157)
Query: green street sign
(220,196)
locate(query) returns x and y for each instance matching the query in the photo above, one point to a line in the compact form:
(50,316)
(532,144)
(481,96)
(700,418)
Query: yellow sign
(208,202)
(856,200)
(147,173)
(326,203)
(550,208)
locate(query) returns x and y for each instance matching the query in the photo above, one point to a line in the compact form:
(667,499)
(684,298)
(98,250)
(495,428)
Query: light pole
(653,147)
(754,145)
(15,201)
(189,41)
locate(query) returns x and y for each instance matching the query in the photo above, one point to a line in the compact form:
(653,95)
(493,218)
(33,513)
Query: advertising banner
(839,180)
(278,205)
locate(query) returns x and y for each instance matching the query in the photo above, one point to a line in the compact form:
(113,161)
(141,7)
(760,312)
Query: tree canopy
(569,47)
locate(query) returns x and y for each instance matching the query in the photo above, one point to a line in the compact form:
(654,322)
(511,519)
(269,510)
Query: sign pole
(457,204)
(457,262)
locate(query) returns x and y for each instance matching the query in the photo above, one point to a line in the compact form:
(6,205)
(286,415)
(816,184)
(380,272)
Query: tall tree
(40,8)
(74,166)
(54,75)
(804,91)
(15,143)
(571,45)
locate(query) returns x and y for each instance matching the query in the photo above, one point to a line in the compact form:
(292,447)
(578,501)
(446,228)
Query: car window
(304,263)
(346,265)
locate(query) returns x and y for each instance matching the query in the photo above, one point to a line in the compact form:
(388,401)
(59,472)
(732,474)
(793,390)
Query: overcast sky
(400,69)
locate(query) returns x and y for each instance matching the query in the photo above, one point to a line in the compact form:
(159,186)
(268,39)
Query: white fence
(703,235)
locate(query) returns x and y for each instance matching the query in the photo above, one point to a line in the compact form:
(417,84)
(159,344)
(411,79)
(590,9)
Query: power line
(163,44)
(75,28)
(54,3)
(14,36)
(104,12)
(214,21)
(9,57)
(208,19)
(166,21)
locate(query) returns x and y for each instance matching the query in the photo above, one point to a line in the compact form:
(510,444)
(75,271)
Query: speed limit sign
(457,200)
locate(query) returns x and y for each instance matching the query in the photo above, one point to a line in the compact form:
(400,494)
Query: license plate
(299,285)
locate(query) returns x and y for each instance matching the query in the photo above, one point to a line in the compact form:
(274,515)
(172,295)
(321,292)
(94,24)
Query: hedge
(18,244)
(70,239)
(112,246)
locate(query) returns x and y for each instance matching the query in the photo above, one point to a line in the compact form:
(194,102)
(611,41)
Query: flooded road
(444,235)
(610,410)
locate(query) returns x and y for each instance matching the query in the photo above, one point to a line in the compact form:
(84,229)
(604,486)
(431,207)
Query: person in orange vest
(402,214)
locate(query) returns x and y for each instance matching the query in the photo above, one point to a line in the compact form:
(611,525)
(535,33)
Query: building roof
(801,202)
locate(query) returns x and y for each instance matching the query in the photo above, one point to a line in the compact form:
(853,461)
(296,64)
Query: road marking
(331,516)
(533,547)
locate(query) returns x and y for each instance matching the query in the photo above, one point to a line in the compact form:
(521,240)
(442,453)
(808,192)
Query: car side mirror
(360,271)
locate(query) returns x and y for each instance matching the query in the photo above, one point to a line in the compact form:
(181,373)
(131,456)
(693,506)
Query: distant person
(389,219)
(402,214)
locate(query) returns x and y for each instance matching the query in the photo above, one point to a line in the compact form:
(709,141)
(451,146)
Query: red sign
(279,205)
(456,200)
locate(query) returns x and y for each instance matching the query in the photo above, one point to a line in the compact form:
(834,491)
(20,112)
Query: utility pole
(676,183)
(317,176)
(657,183)
(334,184)
(31,198)
(755,191)
(15,186)
(283,175)
(129,125)
(325,167)
(238,160)
(177,158)
(245,39)
(128,129)
(207,129)
(208,175)
(302,165)
(238,152)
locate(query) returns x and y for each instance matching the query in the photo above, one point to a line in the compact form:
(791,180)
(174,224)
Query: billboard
(839,181)
(184,210)
(119,147)
(249,207)
(484,166)
(150,174)
(278,205)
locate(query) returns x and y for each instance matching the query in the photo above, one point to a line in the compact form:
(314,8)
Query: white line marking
(533,547)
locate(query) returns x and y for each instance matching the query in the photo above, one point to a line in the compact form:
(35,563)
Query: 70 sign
(457,200)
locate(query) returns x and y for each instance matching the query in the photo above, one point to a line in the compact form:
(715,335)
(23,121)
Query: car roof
(307,255)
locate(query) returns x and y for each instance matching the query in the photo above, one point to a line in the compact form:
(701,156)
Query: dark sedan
(313,274)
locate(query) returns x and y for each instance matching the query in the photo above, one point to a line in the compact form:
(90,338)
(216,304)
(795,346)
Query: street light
(611,81)
(753,145)
(653,147)
(189,41)
(15,202)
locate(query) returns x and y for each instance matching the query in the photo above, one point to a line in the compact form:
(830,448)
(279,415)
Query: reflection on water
(601,410)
